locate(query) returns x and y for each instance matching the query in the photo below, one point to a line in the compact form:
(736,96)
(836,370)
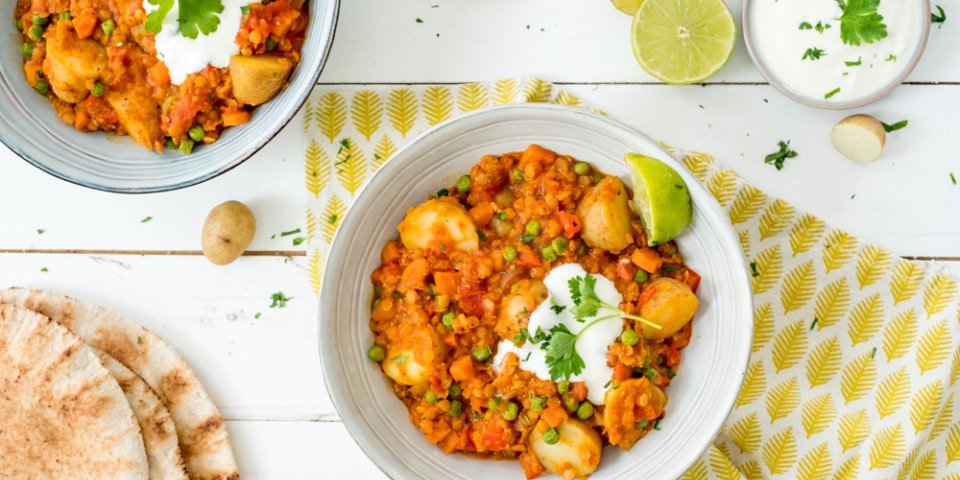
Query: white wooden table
(264,372)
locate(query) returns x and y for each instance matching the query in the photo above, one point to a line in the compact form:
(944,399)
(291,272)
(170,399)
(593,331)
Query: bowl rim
(782,87)
(327,355)
(241,157)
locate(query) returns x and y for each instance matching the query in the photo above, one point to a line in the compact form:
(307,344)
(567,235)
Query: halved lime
(627,6)
(660,198)
(683,41)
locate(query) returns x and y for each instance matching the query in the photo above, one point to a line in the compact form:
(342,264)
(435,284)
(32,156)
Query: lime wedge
(683,41)
(627,6)
(660,198)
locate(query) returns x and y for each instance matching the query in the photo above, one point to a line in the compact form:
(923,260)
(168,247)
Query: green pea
(98,89)
(454,390)
(448,319)
(516,174)
(108,26)
(630,337)
(271,44)
(650,373)
(563,387)
(551,436)
(35,32)
(538,403)
(456,407)
(509,253)
(65,15)
(494,403)
(245,9)
(585,410)
(597,178)
(38,20)
(641,276)
(511,412)
(41,87)
(27,50)
(549,254)
(196,133)
(431,397)
(571,404)
(464,184)
(376,353)
(559,244)
(186,146)
(482,353)
(581,168)
(532,228)
(582,250)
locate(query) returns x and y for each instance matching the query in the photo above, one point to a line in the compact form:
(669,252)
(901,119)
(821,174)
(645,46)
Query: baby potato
(402,366)
(436,223)
(672,305)
(516,308)
(227,232)
(632,401)
(605,212)
(71,64)
(575,455)
(258,78)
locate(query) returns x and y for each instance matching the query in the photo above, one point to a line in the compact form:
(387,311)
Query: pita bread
(159,432)
(204,442)
(61,413)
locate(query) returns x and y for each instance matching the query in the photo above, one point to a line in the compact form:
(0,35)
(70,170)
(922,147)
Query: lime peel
(660,198)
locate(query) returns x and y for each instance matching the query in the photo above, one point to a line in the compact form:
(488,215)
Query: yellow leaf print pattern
(906,465)
(805,233)
(752,470)
(744,238)
(783,399)
(858,378)
(747,204)
(775,218)
(832,303)
(905,281)
(853,430)
(402,110)
(818,414)
(900,334)
(924,405)
(351,166)
(763,325)
(367,111)
(790,345)
(568,99)
(331,115)
(926,467)
(382,152)
(797,287)
(699,165)
(311,227)
(815,464)
(933,347)
(872,263)
(944,418)
(866,319)
(893,392)
(537,91)
(849,470)
(955,368)
(952,447)
(722,468)
(754,384)
(332,215)
(769,268)
(317,168)
(780,452)
(697,472)
(437,104)
(505,91)
(746,433)
(722,185)
(472,96)
(824,362)
(315,270)
(888,446)
(839,247)
(938,293)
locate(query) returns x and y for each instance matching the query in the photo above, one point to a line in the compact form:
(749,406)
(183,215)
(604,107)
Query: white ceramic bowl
(701,395)
(30,127)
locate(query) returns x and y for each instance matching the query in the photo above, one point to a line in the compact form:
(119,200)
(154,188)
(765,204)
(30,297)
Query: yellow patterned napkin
(855,371)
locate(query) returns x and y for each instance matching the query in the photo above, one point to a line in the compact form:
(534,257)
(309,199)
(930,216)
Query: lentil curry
(465,275)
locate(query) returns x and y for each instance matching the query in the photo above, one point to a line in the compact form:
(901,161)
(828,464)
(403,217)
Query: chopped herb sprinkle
(896,126)
(146,219)
(279,300)
(831,93)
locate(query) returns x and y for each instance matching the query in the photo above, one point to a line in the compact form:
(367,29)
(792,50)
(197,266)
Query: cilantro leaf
(155,19)
(942,17)
(556,307)
(562,357)
(813,54)
(777,158)
(896,126)
(860,22)
(200,16)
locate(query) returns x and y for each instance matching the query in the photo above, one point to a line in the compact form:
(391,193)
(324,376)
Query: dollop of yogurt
(592,345)
(184,56)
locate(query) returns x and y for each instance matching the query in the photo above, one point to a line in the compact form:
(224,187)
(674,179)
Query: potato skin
(851,134)
(576,455)
(227,232)
(437,223)
(672,305)
(256,79)
(605,212)
(71,64)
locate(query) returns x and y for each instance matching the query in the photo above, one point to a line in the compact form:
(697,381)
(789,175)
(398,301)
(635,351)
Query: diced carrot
(462,369)
(415,275)
(622,372)
(30,71)
(691,278)
(390,252)
(482,213)
(570,223)
(625,270)
(84,25)
(531,466)
(81,120)
(159,74)
(447,283)
(647,259)
(538,154)
(554,415)
(239,117)
(528,257)
(646,294)
(579,390)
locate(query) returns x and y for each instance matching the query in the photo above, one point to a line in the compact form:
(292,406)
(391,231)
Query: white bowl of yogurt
(833,54)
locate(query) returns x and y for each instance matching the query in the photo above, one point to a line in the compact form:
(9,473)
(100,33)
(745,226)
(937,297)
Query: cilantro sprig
(562,357)
(860,22)
(194,16)
(777,158)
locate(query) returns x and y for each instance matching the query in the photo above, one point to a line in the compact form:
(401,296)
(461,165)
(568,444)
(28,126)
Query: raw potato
(227,232)
(605,211)
(576,455)
(258,78)
(860,138)
(439,224)
(672,305)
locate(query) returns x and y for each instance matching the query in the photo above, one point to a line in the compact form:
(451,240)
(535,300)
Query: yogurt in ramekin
(810,52)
